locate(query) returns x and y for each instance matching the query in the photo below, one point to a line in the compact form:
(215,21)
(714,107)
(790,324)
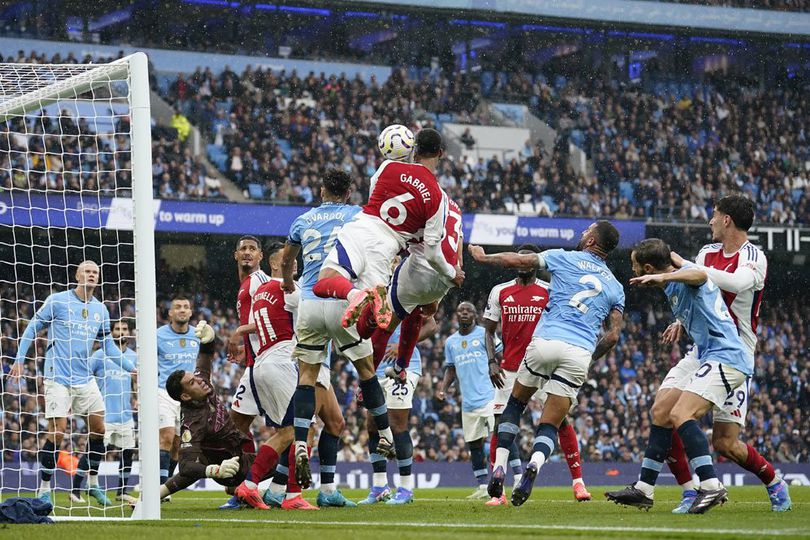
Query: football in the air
(396,142)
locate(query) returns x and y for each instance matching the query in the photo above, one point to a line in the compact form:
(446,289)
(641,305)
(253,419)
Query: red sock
(411,326)
(493,448)
(265,462)
(333,287)
(677,460)
(570,447)
(367,322)
(379,340)
(292,484)
(759,466)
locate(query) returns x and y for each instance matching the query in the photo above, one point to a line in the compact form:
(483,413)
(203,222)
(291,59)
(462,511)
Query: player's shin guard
(165,461)
(333,287)
(281,475)
(508,429)
(544,442)
(47,461)
(379,341)
(263,464)
(404,448)
(697,449)
(374,400)
(124,470)
(411,326)
(759,466)
(570,447)
(656,452)
(678,463)
(479,461)
(327,452)
(304,400)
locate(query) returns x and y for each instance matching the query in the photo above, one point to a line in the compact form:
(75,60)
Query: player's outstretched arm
(288,256)
(692,275)
(742,279)
(506,259)
(205,358)
(613,329)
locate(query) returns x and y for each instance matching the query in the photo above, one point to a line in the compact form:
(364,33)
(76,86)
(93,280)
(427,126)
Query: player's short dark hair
(739,208)
(273,248)
(429,143)
(653,251)
(180,298)
(337,182)
(119,321)
(607,235)
(528,247)
(174,385)
(249,237)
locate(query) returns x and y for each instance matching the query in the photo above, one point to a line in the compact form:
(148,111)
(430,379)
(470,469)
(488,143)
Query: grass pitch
(445,514)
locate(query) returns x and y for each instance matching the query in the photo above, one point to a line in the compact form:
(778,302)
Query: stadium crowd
(654,154)
(612,419)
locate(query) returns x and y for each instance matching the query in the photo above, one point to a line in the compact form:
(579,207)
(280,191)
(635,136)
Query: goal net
(75,186)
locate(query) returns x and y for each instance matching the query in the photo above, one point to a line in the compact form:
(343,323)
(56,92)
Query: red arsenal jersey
(408,199)
(743,306)
(244,301)
(272,315)
(518,308)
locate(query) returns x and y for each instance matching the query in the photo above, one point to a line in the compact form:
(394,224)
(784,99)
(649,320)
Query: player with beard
(518,305)
(584,296)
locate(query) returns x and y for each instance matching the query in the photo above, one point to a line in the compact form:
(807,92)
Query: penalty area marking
(511,526)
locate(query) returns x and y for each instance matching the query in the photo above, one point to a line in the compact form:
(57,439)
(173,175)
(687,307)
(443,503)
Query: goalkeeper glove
(204,331)
(227,469)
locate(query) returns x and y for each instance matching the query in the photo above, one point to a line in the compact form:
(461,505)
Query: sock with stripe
(304,406)
(479,461)
(679,464)
(760,467)
(544,442)
(333,287)
(654,456)
(165,460)
(327,454)
(374,401)
(508,430)
(404,449)
(697,449)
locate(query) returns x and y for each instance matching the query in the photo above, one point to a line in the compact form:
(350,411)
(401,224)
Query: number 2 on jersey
(312,237)
(578,299)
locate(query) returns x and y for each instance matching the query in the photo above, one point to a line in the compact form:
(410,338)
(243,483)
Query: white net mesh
(66,179)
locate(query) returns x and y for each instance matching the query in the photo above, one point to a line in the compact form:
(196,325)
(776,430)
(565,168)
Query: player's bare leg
(508,428)
(328,410)
(554,412)
(47,456)
(242,421)
(726,440)
(641,493)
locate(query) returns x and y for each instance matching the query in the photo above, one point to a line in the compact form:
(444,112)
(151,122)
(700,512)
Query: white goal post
(76,184)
